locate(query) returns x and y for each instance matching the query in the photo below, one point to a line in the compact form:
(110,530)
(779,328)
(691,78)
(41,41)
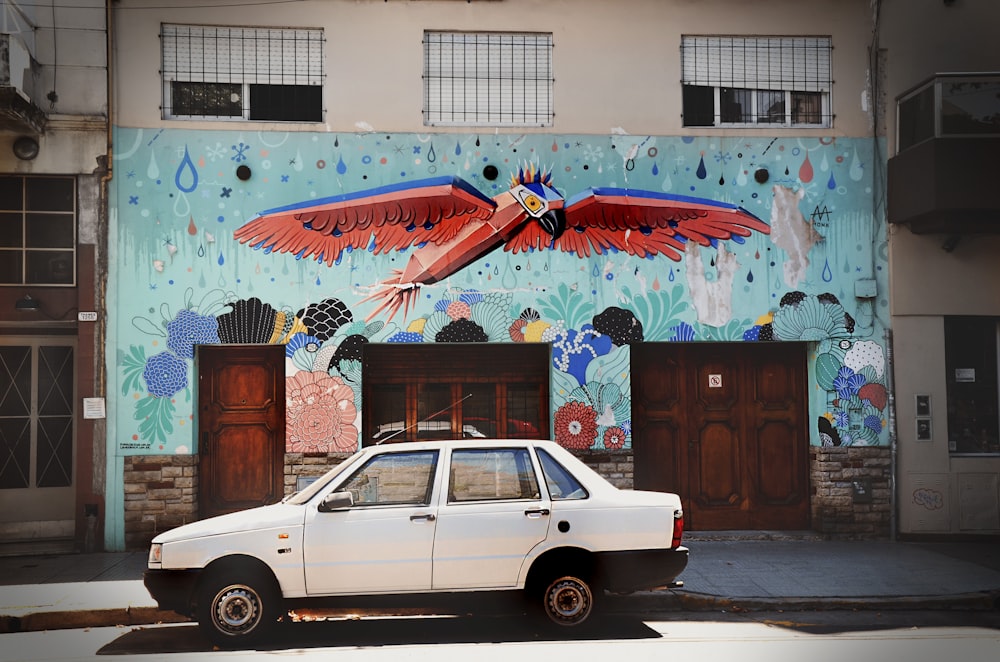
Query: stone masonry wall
(852,491)
(312,465)
(616,466)
(161,492)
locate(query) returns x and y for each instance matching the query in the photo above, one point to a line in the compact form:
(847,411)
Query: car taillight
(675,541)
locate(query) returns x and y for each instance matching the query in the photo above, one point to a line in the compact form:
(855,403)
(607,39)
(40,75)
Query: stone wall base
(851,491)
(851,488)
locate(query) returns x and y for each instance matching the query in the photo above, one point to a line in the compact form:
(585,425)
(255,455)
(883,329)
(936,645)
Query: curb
(91,618)
(677,600)
(636,603)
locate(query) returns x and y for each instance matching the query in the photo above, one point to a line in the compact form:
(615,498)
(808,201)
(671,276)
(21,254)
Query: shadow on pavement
(187,638)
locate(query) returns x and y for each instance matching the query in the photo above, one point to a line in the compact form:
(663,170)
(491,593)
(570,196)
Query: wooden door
(241,425)
(723,425)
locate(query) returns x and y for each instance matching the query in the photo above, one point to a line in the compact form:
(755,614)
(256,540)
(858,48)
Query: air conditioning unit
(17,108)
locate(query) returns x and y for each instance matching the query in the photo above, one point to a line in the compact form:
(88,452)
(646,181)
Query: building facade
(943,217)
(654,233)
(54,148)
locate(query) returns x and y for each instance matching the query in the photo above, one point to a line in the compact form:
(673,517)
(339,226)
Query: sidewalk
(724,573)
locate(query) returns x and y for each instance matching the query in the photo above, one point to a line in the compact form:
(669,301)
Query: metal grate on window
(756,80)
(488,78)
(242,72)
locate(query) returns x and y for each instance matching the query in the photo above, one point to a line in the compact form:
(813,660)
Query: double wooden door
(723,425)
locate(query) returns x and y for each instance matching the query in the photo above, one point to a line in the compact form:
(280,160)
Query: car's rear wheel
(238,609)
(568,600)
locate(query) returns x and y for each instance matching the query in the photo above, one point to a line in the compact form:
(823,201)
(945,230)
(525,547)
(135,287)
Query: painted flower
(533,331)
(614,438)
(189,329)
(320,414)
(848,383)
(516,330)
(873,423)
(165,374)
(576,425)
(841,419)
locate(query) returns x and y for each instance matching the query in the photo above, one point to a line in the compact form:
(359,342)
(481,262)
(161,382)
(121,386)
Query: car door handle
(537,512)
(430,517)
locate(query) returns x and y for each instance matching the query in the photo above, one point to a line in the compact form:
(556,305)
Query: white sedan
(423,520)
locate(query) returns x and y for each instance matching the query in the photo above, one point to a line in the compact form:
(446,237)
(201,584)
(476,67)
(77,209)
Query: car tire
(568,600)
(238,609)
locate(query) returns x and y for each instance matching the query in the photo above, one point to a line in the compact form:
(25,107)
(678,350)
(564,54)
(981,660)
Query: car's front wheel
(236,610)
(568,600)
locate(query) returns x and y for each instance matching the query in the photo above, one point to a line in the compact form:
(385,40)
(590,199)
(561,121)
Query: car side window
(492,475)
(561,483)
(394,479)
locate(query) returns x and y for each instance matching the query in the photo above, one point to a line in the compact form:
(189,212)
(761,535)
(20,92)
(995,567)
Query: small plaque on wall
(924,429)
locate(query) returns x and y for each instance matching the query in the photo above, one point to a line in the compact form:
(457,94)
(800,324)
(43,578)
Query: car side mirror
(336,501)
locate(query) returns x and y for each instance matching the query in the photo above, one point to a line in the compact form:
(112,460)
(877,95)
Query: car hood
(264,517)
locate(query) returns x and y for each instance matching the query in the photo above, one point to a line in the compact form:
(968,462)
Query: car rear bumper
(172,589)
(626,572)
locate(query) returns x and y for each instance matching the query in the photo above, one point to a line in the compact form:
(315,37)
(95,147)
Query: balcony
(945,176)
(18,112)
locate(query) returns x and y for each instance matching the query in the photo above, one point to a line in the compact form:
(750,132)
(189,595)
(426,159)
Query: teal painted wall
(178,277)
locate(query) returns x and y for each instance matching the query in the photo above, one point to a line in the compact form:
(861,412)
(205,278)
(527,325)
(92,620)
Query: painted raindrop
(832,184)
(201,251)
(656,169)
(741,175)
(458,149)
(431,154)
(857,170)
(186,170)
(152,170)
(827,272)
(192,230)
(222,260)
(656,284)
(555,146)
(298,161)
(749,275)
(670,276)
(701,171)
(341,166)
(806,171)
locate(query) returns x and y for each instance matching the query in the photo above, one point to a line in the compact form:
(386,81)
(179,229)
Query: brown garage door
(723,425)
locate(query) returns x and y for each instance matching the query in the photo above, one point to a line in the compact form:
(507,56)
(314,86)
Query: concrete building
(655,231)
(54,146)
(944,130)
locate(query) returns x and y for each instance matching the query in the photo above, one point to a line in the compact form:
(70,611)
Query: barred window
(258,74)
(487,79)
(752,81)
(37,230)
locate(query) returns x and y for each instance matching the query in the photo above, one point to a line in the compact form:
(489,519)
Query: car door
(492,515)
(384,542)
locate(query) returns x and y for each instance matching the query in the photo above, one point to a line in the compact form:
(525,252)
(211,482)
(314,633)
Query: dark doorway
(241,424)
(723,425)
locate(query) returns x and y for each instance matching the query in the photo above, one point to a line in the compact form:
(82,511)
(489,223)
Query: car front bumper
(173,590)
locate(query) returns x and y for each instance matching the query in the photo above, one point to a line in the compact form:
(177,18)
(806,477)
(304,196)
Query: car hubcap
(237,609)
(569,602)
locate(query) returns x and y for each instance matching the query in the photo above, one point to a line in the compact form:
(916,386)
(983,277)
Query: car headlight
(155,553)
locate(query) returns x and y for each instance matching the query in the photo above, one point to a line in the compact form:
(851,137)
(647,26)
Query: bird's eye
(533,203)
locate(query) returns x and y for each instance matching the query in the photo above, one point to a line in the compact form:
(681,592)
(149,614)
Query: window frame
(479,77)
(713,62)
(27,215)
(427,496)
(243,56)
(521,459)
(397,376)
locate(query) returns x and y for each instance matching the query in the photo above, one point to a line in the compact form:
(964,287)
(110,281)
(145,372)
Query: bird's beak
(554,222)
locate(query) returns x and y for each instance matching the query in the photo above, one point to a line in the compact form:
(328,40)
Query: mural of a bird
(453,224)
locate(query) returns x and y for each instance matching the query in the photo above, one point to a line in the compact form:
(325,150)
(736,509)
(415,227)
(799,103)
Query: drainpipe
(891,416)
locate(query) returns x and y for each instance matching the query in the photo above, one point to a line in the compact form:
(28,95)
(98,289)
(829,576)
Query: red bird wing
(640,223)
(386,218)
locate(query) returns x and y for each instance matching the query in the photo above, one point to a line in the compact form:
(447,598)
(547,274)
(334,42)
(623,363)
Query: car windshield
(304,495)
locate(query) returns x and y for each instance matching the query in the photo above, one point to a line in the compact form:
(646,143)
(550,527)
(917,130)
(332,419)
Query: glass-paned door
(37,440)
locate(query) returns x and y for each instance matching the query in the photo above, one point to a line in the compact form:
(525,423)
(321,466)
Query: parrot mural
(453,224)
